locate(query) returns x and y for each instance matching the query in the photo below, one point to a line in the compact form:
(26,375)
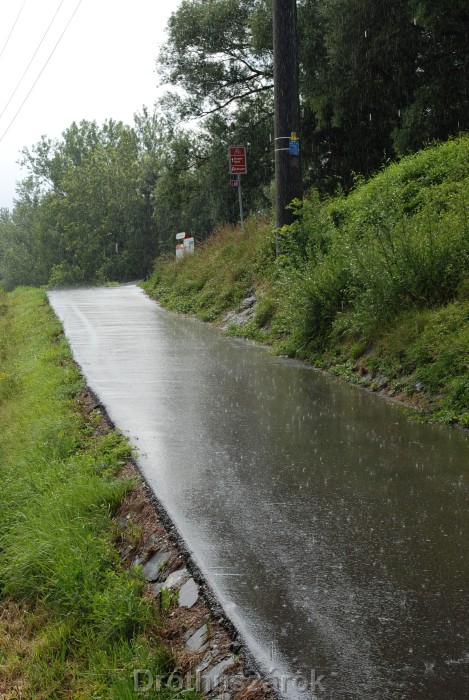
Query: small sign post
(238,167)
(185,245)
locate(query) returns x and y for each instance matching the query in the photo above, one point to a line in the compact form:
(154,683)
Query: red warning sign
(238,164)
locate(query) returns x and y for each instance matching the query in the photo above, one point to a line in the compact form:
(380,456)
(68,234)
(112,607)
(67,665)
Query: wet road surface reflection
(333,530)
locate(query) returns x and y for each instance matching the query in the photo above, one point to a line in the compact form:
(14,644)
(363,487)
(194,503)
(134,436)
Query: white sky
(103,67)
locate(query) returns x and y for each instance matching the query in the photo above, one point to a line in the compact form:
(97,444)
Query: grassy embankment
(72,622)
(373,286)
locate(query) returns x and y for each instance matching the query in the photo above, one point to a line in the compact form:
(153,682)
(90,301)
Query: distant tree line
(377,81)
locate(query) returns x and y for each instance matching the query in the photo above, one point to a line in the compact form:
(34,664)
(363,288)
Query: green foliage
(21,260)
(217,277)
(372,84)
(84,213)
(373,285)
(101,202)
(59,489)
(372,280)
(438,104)
(111,672)
(359,72)
(425,353)
(168,598)
(215,52)
(217,56)
(399,241)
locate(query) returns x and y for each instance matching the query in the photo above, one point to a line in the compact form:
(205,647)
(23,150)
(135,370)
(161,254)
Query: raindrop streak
(342,536)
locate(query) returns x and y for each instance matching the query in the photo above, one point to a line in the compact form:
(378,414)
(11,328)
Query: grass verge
(73,623)
(372,286)
(218,277)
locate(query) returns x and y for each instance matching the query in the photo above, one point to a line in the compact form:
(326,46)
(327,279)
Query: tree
(440,103)
(219,56)
(358,68)
(101,201)
(21,260)
(95,213)
(215,53)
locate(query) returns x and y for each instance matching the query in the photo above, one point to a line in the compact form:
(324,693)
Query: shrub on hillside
(399,241)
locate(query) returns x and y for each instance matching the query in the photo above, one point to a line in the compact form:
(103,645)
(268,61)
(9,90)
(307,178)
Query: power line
(32,59)
(42,71)
(12,29)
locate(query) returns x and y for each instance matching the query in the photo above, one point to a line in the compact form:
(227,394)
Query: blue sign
(295,148)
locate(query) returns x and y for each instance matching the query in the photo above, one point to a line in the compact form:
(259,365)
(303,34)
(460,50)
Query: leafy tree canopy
(216,52)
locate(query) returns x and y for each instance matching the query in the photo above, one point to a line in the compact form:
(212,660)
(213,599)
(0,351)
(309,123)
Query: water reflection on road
(333,530)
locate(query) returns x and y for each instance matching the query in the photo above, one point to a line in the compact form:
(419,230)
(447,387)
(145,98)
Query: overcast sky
(103,67)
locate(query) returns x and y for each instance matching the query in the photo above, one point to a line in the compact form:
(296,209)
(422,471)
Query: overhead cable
(32,59)
(42,71)
(12,29)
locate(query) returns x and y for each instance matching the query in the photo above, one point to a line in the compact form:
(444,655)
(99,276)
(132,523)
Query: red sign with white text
(238,164)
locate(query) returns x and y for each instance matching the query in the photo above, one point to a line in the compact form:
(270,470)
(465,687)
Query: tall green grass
(217,277)
(399,241)
(354,274)
(58,491)
(388,262)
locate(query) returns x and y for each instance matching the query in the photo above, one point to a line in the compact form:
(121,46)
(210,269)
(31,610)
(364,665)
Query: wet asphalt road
(332,529)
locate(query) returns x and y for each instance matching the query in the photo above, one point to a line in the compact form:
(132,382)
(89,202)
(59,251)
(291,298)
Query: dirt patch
(17,628)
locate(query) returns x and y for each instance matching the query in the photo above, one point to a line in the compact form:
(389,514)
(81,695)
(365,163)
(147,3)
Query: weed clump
(397,242)
(354,274)
(61,580)
(217,277)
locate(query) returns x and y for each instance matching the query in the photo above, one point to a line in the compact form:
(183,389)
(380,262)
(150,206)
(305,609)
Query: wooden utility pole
(288,183)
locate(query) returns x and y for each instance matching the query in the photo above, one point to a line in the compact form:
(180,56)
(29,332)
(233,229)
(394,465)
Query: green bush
(218,276)
(373,283)
(399,241)
(58,491)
